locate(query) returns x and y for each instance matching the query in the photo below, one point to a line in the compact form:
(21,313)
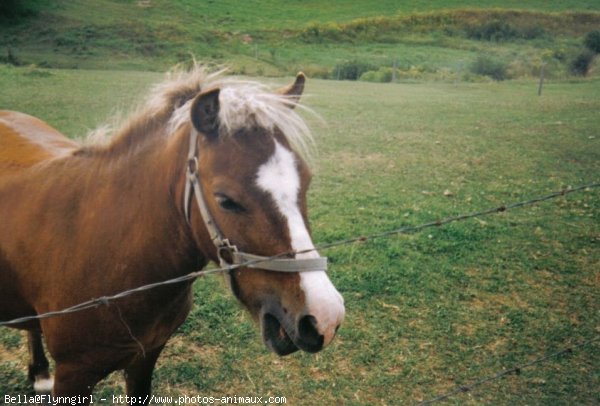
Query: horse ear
(205,113)
(294,91)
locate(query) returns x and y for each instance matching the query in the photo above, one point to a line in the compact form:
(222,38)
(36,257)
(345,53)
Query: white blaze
(279,177)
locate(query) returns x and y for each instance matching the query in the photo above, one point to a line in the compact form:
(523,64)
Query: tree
(13,10)
(592,41)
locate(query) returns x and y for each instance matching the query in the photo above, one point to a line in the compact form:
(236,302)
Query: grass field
(275,38)
(427,311)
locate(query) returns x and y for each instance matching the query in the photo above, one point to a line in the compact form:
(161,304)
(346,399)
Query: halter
(228,253)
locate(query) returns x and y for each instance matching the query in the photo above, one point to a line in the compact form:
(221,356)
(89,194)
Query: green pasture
(423,39)
(427,311)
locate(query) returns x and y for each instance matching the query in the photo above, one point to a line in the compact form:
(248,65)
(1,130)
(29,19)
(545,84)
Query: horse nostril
(309,334)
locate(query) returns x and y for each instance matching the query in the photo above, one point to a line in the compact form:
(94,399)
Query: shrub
(500,30)
(382,75)
(580,66)
(412,72)
(592,41)
(312,71)
(14,11)
(318,33)
(10,58)
(492,67)
(532,32)
(351,70)
(495,30)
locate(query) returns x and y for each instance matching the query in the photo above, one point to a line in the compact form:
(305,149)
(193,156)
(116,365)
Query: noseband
(228,254)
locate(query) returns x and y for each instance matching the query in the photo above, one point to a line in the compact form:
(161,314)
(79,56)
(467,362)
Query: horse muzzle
(285,334)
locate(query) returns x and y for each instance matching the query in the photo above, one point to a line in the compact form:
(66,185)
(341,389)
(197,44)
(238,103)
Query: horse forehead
(253,154)
(241,153)
(279,175)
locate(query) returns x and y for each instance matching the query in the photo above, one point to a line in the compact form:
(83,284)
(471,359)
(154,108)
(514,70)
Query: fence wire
(512,371)
(105,300)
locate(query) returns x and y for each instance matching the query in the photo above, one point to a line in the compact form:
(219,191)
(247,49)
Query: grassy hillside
(438,39)
(266,15)
(425,312)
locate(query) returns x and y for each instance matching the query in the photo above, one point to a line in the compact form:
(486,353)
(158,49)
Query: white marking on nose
(279,177)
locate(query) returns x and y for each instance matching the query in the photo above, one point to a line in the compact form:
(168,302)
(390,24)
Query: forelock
(243,105)
(246,104)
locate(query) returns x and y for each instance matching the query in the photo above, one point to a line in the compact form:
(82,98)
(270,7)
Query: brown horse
(209,169)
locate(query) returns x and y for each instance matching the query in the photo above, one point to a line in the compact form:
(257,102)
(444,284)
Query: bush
(10,9)
(13,11)
(592,41)
(532,32)
(488,66)
(312,71)
(319,33)
(500,30)
(382,75)
(492,31)
(351,70)
(10,58)
(411,73)
(580,66)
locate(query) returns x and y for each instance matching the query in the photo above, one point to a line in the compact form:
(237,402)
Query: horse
(209,168)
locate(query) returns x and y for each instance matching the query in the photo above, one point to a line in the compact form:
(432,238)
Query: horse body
(87,222)
(63,245)
(26,141)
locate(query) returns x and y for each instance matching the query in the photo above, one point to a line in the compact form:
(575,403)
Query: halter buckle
(192,166)
(225,253)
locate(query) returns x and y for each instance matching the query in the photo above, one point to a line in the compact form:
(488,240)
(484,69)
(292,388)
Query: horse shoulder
(26,141)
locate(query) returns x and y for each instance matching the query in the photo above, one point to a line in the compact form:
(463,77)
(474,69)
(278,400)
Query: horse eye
(229,204)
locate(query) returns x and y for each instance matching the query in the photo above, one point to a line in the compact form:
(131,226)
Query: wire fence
(460,389)
(105,300)
(516,370)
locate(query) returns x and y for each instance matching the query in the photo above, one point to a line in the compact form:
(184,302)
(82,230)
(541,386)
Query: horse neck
(149,179)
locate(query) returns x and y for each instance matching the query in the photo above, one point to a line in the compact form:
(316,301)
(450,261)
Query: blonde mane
(243,104)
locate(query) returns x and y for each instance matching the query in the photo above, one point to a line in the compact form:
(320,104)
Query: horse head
(246,156)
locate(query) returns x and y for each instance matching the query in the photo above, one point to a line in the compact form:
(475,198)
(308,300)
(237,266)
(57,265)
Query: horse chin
(275,336)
